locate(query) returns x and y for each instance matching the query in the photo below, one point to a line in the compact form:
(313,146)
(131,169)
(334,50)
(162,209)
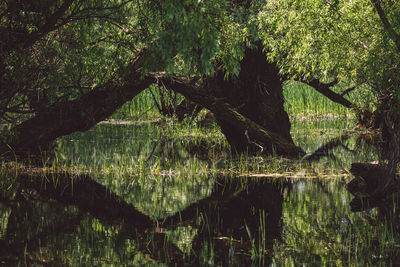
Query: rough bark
(259,123)
(256,94)
(266,141)
(36,134)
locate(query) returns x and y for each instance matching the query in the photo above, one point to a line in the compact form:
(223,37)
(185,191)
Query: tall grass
(147,104)
(140,108)
(320,230)
(303,101)
(300,101)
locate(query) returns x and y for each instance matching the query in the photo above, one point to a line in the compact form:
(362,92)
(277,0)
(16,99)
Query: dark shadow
(233,221)
(325,149)
(365,187)
(240,215)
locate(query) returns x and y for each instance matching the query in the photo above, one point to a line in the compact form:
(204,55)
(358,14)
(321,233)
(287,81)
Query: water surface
(158,194)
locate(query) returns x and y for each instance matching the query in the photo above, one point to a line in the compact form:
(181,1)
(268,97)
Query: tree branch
(348,90)
(324,149)
(66,117)
(386,24)
(191,89)
(323,88)
(50,24)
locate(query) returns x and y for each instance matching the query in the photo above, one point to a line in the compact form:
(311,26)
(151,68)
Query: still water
(164,195)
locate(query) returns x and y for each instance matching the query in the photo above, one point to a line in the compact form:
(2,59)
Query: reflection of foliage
(168,195)
(151,166)
(139,162)
(41,230)
(183,237)
(319,229)
(4,215)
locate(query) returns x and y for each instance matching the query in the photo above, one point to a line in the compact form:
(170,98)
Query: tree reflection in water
(67,220)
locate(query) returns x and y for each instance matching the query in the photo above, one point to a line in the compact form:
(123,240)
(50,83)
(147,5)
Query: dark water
(152,196)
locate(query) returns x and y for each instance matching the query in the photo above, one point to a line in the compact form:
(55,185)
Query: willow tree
(355,42)
(66,65)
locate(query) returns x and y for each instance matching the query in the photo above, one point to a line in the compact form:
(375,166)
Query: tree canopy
(52,52)
(348,40)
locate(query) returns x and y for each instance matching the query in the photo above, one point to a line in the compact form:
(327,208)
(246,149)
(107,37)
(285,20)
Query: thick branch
(77,115)
(50,24)
(323,88)
(386,24)
(269,140)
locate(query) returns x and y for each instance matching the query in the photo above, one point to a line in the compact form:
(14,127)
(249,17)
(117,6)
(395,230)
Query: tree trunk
(254,134)
(385,119)
(257,95)
(259,122)
(390,147)
(36,134)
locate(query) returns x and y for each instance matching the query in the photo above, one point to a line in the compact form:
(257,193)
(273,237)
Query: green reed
(304,101)
(322,231)
(161,168)
(140,108)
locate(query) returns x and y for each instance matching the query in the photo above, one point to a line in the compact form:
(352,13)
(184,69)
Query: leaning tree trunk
(256,94)
(36,134)
(254,124)
(254,134)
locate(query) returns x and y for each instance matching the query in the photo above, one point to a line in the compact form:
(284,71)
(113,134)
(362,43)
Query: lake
(164,194)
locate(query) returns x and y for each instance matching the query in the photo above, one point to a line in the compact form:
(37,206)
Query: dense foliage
(52,51)
(56,50)
(58,57)
(335,39)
